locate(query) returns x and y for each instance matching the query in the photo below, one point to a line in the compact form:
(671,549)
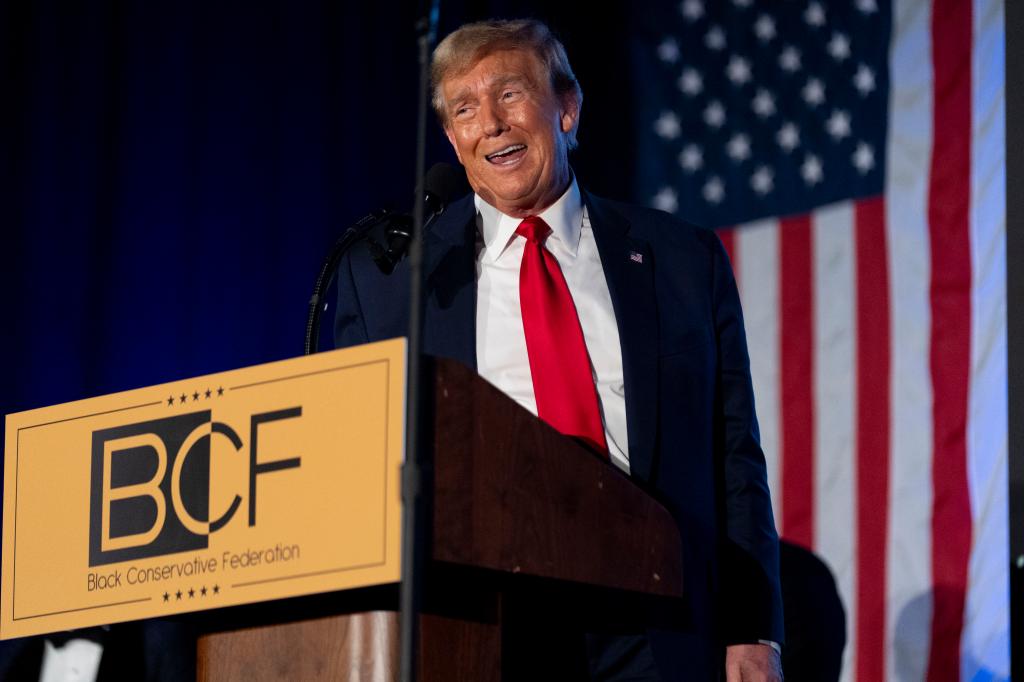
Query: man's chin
(505,195)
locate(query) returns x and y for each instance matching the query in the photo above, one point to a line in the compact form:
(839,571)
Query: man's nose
(493,120)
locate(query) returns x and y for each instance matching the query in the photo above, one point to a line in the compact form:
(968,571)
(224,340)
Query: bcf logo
(150,484)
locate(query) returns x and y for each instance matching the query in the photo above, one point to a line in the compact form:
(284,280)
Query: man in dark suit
(648,300)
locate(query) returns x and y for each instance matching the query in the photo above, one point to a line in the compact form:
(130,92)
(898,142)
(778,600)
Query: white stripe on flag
(834,403)
(758,247)
(985,640)
(908,576)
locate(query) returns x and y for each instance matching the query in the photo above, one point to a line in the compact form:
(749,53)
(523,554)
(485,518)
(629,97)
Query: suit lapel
(449,266)
(629,268)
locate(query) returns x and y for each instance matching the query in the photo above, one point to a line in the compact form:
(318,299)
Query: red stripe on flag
(873,419)
(796,334)
(948,213)
(728,237)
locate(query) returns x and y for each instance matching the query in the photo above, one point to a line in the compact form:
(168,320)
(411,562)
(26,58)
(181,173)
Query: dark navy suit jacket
(693,436)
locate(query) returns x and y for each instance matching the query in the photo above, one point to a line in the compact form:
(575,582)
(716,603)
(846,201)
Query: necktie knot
(534,229)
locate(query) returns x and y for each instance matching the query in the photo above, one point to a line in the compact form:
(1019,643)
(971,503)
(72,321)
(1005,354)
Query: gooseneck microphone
(442,184)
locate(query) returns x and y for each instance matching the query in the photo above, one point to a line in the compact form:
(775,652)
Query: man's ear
(451,140)
(570,113)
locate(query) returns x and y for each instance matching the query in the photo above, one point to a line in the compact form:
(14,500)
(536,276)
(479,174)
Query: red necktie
(559,364)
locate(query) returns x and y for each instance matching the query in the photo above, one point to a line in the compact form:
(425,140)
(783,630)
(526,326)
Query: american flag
(851,156)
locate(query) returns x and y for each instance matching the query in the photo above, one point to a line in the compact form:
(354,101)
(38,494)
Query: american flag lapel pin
(636,257)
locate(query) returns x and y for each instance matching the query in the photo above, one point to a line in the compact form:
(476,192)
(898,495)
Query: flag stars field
(750,90)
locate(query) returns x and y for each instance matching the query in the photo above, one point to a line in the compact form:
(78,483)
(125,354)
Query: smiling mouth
(508,155)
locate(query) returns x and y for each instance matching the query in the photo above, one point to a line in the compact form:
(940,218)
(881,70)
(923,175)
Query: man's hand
(752,663)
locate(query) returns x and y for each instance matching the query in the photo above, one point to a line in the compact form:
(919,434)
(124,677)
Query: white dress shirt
(501,354)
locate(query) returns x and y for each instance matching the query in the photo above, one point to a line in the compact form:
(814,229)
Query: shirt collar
(564,217)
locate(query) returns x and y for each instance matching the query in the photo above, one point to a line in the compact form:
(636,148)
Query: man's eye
(509,94)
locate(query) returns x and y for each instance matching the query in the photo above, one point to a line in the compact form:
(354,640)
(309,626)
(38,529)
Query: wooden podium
(265,501)
(535,541)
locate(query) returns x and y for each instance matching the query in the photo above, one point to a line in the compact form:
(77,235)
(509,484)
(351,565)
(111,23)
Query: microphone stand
(417,484)
(323,279)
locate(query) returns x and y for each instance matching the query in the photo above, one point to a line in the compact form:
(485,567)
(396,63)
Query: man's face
(509,130)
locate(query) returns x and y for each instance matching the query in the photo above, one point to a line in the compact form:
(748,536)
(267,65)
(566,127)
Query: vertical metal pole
(416,489)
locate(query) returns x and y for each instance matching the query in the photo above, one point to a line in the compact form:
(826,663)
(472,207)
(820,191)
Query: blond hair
(470,43)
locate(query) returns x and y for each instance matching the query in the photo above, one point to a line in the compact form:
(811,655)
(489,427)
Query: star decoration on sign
(191,593)
(691,158)
(668,51)
(666,200)
(715,38)
(170,401)
(738,147)
(815,15)
(714,114)
(177,595)
(714,190)
(690,82)
(763,180)
(183,397)
(167,597)
(195,396)
(216,589)
(811,170)
(203,591)
(839,47)
(208,393)
(814,92)
(789,60)
(863,158)
(220,392)
(763,103)
(788,136)
(838,124)
(738,70)
(864,80)
(667,126)
(764,28)
(692,10)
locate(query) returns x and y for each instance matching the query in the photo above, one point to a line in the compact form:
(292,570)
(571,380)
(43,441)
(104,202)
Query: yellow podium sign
(261,483)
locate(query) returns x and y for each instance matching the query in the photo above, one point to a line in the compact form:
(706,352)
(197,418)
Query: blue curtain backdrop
(173,172)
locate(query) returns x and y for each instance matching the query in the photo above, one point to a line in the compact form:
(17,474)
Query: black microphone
(443,183)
